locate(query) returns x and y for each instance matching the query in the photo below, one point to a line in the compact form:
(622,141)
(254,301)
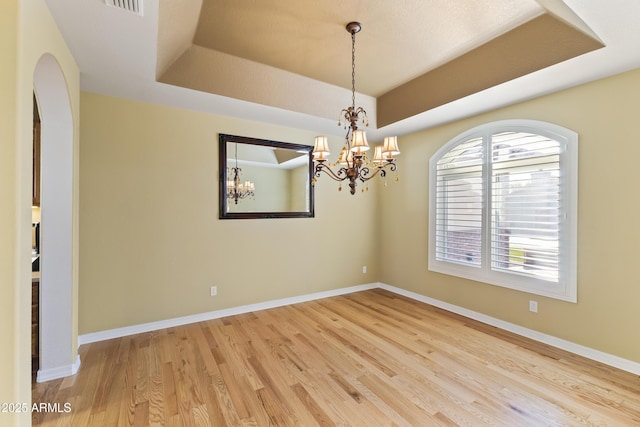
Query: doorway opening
(35,244)
(57,357)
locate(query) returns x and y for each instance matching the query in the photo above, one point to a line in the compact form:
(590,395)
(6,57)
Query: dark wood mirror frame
(222,180)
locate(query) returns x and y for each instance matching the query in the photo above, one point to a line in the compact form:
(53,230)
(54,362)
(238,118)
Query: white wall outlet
(533,306)
(364,269)
(214,291)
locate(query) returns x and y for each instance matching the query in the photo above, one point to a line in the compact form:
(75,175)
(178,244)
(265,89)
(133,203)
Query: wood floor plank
(370,358)
(233,387)
(169,391)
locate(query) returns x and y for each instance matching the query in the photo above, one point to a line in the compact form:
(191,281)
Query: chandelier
(237,190)
(353,163)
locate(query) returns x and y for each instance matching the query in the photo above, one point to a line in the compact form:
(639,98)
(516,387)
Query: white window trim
(566,287)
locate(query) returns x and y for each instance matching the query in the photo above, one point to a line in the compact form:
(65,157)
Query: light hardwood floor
(370,358)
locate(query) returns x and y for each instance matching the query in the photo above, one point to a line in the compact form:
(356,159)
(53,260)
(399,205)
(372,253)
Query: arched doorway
(58,358)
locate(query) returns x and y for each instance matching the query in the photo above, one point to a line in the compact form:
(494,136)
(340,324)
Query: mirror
(259,178)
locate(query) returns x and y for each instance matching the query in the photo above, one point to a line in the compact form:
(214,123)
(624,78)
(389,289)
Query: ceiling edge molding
(562,11)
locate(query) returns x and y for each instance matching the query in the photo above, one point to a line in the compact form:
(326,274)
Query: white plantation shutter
(459,191)
(525,201)
(503,207)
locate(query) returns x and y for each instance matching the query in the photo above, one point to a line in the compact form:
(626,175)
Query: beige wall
(9,371)
(605,115)
(27,32)
(151,241)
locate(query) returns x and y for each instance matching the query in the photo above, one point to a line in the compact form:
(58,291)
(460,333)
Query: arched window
(503,207)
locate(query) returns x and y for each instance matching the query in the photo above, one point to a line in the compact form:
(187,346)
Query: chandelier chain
(353,69)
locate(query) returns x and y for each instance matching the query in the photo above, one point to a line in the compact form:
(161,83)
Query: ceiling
(419,63)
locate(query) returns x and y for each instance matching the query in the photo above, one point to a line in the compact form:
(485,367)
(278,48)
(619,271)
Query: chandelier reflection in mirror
(353,162)
(237,190)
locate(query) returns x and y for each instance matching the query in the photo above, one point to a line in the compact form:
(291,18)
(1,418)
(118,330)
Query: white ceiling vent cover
(133,6)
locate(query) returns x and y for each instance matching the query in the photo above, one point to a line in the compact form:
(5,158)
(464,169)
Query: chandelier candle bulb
(377,156)
(320,157)
(390,146)
(346,159)
(321,148)
(359,142)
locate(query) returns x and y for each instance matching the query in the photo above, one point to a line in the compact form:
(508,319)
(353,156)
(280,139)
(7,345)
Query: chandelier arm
(393,166)
(362,174)
(327,170)
(379,170)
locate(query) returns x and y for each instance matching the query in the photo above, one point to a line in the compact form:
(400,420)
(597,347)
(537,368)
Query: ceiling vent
(133,6)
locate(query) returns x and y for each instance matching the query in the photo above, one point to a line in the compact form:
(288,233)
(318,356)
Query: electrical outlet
(214,291)
(533,306)
(364,269)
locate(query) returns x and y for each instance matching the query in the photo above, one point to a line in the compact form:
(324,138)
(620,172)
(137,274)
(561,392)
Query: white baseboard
(58,372)
(201,317)
(589,353)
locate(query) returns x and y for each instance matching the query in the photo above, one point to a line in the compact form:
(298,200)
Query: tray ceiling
(418,62)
